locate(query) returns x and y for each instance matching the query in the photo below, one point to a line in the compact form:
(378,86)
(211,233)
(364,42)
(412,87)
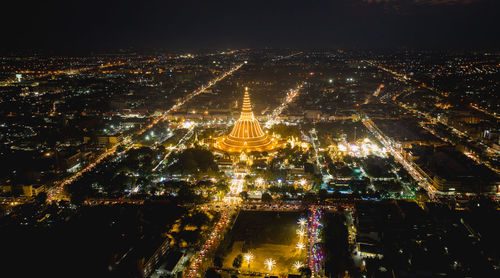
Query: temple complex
(246,136)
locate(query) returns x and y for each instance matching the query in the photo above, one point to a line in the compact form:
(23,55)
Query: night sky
(75,25)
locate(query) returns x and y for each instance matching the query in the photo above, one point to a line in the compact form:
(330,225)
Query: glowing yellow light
(302,222)
(270,263)
(301,233)
(259,181)
(248,257)
(300,246)
(187,125)
(342,148)
(297,265)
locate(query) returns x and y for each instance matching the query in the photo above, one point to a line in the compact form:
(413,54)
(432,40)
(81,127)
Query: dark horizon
(90,26)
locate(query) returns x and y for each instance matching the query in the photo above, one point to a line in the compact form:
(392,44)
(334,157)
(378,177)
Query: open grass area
(265,235)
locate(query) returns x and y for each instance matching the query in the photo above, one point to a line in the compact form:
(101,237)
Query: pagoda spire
(246,108)
(246,135)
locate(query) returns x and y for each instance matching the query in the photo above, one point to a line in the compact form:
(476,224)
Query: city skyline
(233,139)
(76,27)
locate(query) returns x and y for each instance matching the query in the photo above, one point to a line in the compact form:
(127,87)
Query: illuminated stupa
(246,135)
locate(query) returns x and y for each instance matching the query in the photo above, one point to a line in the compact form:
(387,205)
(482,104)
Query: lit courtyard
(269,242)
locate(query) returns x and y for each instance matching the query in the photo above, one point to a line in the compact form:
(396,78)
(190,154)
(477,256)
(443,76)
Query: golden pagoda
(246,135)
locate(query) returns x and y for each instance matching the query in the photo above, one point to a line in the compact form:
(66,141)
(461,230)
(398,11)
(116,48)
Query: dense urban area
(251,163)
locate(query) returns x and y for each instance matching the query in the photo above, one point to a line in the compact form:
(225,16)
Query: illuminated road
(315,252)
(286,57)
(290,96)
(320,159)
(32,74)
(199,261)
(408,165)
(404,77)
(476,107)
(180,143)
(56,192)
(430,118)
(315,255)
(474,156)
(489,152)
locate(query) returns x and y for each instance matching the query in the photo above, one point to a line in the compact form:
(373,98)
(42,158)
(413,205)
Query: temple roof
(246,134)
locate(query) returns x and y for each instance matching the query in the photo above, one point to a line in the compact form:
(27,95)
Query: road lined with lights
(287,57)
(56,191)
(489,152)
(41,74)
(324,170)
(484,111)
(315,252)
(290,96)
(430,118)
(198,261)
(408,165)
(180,143)
(404,77)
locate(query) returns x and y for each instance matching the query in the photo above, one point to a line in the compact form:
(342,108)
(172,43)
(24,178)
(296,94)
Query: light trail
(196,268)
(56,191)
(434,120)
(404,77)
(40,74)
(416,175)
(290,96)
(186,137)
(189,97)
(315,252)
(286,57)
(324,171)
(484,111)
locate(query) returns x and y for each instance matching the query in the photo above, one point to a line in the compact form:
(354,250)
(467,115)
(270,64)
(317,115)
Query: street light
(259,181)
(302,182)
(301,233)
(297,265)
(270,263)
(302,222)
(300,246)
(248,258)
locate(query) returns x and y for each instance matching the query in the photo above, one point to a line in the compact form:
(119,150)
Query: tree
(322,194)
(309,199)
(186,195)
(266,197)
(120,148)
(77,199)
(160,149)
(190,237)
(249,179)
(218,261)
(222,187)
(238,261)
(421,195)
(193,161)
(244,195)
(198,219)
(309,168)
(119,183)
(41,197)
(255,154)
(305,271)
(211,273)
